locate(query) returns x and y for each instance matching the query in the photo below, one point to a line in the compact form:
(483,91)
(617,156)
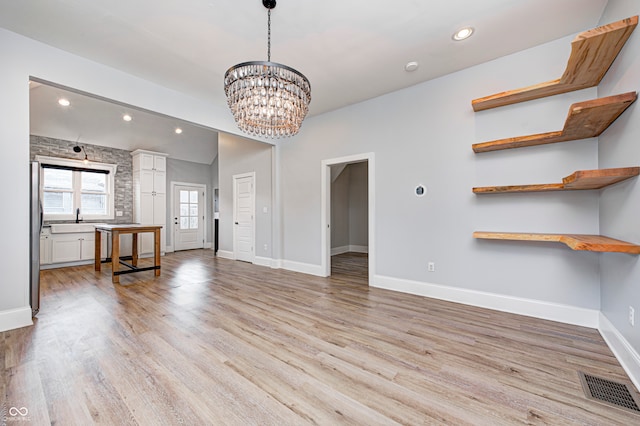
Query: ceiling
(94,121)
(351,50)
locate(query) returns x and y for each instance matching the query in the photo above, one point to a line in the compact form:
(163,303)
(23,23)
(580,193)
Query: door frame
(325,209)
(252,175)
(172,187)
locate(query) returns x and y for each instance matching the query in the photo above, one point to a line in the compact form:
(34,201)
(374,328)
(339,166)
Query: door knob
(236,223)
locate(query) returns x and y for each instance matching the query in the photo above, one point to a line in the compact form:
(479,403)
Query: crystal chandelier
(266,98)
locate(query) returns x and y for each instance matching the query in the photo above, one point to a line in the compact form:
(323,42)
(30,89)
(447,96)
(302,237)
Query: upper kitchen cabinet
(150,195)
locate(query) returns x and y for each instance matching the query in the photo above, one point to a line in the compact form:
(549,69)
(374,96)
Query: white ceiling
(351,50)
(94,121)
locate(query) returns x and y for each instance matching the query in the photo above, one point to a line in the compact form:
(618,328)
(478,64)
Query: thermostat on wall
(421,190)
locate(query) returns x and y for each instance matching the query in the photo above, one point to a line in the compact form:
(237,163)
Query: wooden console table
(134,229)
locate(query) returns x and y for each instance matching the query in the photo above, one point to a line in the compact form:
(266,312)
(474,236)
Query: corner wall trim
(621,348)
(533,308)
(305,268)
(263,261)
(349,249)
(225,254)
(15,318)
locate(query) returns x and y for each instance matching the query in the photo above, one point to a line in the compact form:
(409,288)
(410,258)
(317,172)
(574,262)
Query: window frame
(77,186)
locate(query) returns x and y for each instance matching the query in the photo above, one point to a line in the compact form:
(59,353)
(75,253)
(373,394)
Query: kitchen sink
(67,228)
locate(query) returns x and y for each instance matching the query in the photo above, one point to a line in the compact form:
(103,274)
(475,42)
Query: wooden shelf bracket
(580,180)
(586,119)
(592,53)
(596,243)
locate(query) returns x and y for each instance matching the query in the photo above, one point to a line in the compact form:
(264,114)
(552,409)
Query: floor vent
(612,393)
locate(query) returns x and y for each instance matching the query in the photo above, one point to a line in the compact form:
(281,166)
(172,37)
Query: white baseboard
(305,268)
(359,249)
(208,245)
(169,249)
(349,248)
(15,318)
(339,250)
(262,261)
(534,308)
(621,348)
(267,261)
(226,254)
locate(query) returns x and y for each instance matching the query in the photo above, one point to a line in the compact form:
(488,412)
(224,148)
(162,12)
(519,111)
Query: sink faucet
(78,215)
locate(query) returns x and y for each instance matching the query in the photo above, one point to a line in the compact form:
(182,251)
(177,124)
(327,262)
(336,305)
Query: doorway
(244,216)
(188,216)
(337,164)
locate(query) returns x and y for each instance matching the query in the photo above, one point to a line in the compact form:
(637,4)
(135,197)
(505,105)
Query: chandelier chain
(265,98)
(269,36)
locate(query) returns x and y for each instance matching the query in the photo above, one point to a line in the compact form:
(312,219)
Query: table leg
(97,254)
(156,250)
(134,249)
(115,256)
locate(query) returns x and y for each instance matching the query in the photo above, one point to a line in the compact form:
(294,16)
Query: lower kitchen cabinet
(74,247)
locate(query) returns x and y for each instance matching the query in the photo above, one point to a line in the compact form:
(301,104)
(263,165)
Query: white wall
(239,155)
(22,58)
(423,135)
(620,204)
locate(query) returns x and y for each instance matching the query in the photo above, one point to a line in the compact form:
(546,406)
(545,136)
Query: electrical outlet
(265,247)
(632,314)
(431,267)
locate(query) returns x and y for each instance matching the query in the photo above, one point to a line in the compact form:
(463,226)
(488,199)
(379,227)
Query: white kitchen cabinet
(150,196)
(73,247)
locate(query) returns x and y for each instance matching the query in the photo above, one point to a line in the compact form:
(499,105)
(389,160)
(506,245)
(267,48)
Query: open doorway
(349,211)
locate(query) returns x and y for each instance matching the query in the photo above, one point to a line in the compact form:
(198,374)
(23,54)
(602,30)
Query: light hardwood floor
(214,341)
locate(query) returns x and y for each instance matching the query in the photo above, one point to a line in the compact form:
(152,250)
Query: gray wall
(423,135)
(619,205)
(349,207)
(340,209)
(188,172)
(40,145)
(358,205)
(238,155)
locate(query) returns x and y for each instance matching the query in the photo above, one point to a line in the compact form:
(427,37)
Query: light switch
(265,210)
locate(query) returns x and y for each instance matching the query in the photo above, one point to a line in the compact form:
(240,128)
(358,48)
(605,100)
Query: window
(69,185)
(188,209)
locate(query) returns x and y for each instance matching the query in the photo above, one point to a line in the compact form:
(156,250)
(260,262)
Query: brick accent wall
(51,147)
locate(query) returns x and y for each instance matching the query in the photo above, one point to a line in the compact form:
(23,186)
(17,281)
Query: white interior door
(243,216)
(188,223)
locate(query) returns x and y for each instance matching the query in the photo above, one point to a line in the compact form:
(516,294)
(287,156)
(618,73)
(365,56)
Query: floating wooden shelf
(580,180)
(586,119)
(574,241)
(592,53)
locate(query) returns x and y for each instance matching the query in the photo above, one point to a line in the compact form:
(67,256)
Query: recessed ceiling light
(411,66)
(462,33)
(127,117)
(64,102)
(178,130)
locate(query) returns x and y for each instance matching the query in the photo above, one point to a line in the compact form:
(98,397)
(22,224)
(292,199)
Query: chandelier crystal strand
(266,98)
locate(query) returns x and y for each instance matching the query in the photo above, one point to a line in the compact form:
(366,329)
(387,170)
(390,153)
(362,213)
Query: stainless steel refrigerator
(34,238)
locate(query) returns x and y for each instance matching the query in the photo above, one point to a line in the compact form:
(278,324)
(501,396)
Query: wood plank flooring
(218,342)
